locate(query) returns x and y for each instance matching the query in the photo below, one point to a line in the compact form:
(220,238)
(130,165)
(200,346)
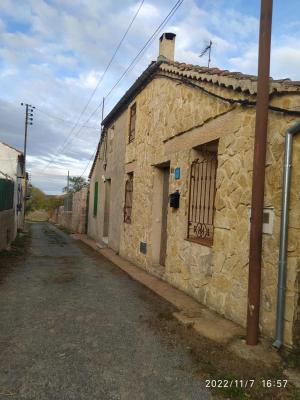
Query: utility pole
(102,113)
(258,178)
(28,121)
(68,181)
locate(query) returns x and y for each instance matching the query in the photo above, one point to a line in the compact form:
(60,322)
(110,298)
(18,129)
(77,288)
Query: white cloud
(285,62)
(247,61)
(52,55)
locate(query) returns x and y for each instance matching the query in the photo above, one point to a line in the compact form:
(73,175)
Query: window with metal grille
(128,198)
(202,198)
(132,120)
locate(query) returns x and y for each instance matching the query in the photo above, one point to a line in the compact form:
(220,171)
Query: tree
(54,202)
(37,200)
(76,183)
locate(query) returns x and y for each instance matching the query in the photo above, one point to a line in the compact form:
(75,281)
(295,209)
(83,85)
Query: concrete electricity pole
(28,121)
(68,181)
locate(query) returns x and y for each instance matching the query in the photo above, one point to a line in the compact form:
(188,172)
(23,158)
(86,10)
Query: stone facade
(79,211)
(74,215)
(173,119)
(108,174)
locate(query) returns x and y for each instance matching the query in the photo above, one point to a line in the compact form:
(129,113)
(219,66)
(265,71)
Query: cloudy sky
(54,52)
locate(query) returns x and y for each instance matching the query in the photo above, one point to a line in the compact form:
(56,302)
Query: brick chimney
(166,47)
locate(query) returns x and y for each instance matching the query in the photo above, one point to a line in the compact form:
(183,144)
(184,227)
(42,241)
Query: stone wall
(61,217)
(75,220)
(7,231)
(109,173)
(79,211)
(297,316)
(170,113)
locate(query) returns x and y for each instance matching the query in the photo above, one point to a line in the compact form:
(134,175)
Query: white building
(11,204)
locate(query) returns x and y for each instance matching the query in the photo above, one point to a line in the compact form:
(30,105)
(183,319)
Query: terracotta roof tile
(232,79)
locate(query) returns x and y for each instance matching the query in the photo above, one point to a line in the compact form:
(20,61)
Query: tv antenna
(206,50)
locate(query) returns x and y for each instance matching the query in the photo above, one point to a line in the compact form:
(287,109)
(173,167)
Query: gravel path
(73,326)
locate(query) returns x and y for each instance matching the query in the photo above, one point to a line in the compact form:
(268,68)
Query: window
(202,196)
(6,194)
(95,199)
(128,198)
(132,120)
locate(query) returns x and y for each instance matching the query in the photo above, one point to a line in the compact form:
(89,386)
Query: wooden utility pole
(258,178)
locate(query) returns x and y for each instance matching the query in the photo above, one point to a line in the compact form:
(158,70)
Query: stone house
(11,193)
(170,186)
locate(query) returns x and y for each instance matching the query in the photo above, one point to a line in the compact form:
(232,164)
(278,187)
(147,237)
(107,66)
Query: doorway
(160,213)
(164,217)
(106,210)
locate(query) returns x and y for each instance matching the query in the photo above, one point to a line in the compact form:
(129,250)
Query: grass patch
(292,359)
(231,375)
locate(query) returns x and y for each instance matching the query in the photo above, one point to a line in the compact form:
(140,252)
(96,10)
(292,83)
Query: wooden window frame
(132,123)
(201,205)
(128,198)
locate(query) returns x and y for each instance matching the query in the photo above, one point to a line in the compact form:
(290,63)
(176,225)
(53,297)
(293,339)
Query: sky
(54,52)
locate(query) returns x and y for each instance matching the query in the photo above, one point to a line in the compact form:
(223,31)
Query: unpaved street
(73,326)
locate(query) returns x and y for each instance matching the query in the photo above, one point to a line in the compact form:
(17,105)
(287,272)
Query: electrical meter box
(268,220)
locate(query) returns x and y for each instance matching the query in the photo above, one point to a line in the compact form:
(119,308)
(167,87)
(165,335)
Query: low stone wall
(74,220)
(61,217)
(7,228)
(79,211)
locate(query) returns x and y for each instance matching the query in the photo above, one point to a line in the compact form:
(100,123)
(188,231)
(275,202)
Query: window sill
(202,242)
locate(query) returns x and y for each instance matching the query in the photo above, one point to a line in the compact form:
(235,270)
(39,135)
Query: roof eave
(132,92)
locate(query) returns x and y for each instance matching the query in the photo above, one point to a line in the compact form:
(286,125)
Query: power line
(62,119)
(100,80)
(87,165)
(161,26)
(149,41)
(136,58)
(117,49)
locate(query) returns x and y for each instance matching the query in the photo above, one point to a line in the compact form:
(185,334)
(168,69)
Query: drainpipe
(258,177)
(287,166)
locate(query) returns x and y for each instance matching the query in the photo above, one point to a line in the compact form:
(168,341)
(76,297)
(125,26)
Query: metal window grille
(202,198)
(128,199)
(6,194)
(132,123)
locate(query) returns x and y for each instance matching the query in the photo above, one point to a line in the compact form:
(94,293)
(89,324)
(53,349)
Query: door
(164,215)
(106,208)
